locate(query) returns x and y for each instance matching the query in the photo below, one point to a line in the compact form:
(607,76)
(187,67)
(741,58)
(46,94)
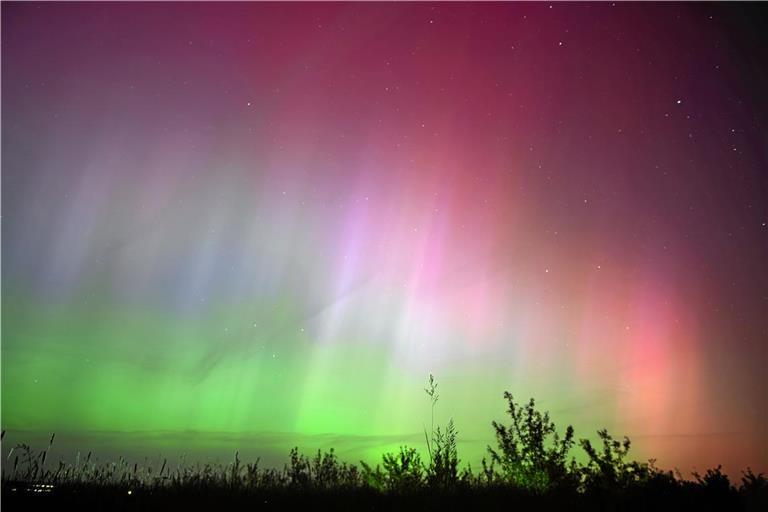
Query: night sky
(271,222)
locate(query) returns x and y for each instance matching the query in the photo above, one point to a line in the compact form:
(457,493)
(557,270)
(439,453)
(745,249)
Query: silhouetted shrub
(754,490)
(403,471)
(607,468)
(443,469)
(715,488)
(298,470)
(531,454)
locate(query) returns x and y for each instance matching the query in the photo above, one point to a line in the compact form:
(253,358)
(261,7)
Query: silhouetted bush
(531,454)
(607,468)
(443,469)
(754,490)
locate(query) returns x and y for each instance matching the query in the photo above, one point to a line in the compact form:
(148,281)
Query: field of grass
(531,467)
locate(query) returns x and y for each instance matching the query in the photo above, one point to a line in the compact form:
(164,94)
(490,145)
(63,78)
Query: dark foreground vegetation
(531,468)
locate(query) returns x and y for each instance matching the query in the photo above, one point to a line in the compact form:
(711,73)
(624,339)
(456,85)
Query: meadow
(531,466)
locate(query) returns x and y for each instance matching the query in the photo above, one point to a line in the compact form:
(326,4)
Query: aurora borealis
(273,221)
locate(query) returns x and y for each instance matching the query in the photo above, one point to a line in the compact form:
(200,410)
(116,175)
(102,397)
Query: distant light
(130,492)
(679,101)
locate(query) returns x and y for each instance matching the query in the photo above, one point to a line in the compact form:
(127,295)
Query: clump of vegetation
(443,469)
(323,471)
(531,466)
(403,472)
(607,468)
(531,454)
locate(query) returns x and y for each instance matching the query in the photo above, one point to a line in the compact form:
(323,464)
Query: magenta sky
(564,199)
